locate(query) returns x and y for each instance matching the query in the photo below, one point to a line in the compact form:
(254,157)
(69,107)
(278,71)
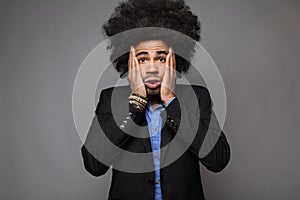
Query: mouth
(152,83)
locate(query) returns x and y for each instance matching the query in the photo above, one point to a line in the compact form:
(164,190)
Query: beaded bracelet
(134,94)
(138,101)
(137,105)
(143,101)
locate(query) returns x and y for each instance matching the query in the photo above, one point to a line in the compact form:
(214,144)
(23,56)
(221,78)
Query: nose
(152,68)
(152,72)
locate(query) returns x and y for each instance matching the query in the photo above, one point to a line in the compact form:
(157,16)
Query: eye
(142,60)
(161,59)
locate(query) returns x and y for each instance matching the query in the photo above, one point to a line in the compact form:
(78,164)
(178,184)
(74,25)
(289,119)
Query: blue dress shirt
(154,121)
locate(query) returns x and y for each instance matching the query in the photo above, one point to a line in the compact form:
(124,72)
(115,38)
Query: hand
(167,90)
(134,75)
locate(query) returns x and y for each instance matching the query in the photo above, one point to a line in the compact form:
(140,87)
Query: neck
(155,100)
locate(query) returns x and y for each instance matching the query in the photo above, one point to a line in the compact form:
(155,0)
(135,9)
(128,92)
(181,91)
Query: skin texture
(152,71)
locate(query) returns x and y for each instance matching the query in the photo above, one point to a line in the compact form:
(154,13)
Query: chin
(153,92)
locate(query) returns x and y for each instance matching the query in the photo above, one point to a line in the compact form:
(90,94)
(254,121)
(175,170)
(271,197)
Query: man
(162,116)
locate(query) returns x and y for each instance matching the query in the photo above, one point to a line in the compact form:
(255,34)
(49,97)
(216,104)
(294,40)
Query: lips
(152,83)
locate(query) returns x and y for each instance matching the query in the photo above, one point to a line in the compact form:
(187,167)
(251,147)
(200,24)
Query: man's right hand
(134,75)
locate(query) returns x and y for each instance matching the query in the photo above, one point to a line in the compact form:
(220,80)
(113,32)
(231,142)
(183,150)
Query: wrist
(166,99)
(138,101)
(140,93)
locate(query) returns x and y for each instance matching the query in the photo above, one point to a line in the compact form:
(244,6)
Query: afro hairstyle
(173,15)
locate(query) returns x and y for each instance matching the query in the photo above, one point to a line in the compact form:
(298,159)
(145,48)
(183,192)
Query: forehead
(151,45)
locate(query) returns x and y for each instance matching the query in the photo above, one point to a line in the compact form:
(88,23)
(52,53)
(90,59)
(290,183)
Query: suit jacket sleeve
(219,155)
(104,134)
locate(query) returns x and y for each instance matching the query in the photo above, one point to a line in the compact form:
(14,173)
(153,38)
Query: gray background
(255,44)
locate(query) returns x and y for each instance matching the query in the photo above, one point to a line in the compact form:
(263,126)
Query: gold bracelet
(138,105)
(137,95)
(138,99)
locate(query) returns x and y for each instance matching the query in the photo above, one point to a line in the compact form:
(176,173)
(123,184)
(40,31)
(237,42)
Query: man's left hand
(167,90)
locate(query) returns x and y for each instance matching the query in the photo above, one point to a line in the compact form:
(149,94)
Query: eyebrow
(146,53)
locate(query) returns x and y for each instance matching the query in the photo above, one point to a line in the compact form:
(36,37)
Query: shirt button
(154,129)
(156,181)
(155,155)
(122,126)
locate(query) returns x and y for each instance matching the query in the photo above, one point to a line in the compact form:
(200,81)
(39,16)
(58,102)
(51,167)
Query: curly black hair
(174,16)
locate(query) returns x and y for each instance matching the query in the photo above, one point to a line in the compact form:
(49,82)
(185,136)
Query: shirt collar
(150,108)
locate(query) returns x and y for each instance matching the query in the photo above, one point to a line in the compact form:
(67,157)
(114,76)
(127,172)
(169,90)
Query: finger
(168,59)
(171,56)
(171,62)
(133,67)
(174,59)
(174,64)
(138,73)
(135,64)
(172,73)
(130,64)
(168,65)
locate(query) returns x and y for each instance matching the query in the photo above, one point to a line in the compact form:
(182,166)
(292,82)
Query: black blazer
(179,180)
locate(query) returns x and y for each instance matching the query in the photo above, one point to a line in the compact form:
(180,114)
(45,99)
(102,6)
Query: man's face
(152,58)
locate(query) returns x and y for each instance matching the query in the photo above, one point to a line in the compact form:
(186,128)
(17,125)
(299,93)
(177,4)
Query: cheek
(143,72)
(162,70)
